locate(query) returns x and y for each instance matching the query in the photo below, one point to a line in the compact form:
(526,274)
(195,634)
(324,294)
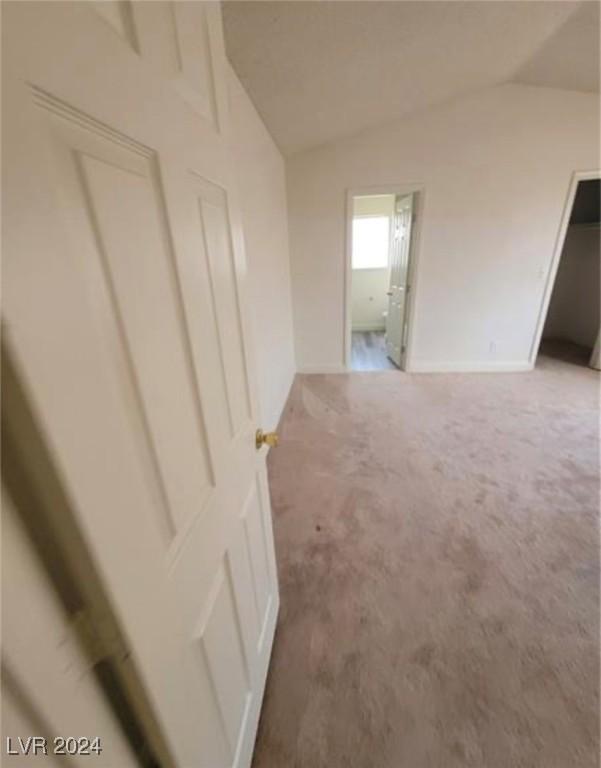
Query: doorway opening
(379,266)
(571,325)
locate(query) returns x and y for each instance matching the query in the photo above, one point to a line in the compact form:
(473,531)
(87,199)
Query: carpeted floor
(438,552)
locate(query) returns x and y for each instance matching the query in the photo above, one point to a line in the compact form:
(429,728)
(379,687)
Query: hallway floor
(437,542)
(368,352)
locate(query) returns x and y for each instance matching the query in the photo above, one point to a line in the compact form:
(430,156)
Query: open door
(396,330)
(123,308)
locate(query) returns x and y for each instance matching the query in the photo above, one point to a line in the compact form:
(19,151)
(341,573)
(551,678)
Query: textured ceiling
(320,70)
(570,57)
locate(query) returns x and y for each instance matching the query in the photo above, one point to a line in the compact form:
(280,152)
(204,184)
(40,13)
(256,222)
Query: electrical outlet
(492,347)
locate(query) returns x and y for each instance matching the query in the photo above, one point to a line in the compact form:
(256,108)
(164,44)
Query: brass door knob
(266,438)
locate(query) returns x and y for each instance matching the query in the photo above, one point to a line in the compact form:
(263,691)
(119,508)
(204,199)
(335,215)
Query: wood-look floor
(368,352)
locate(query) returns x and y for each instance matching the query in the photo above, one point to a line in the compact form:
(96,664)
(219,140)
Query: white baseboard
(366,328)
(322,369)
(469,366)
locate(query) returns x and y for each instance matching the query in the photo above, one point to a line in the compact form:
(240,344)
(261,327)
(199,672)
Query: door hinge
(98,642)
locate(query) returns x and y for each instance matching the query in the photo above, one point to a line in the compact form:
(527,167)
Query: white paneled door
(123,307)
(396,325)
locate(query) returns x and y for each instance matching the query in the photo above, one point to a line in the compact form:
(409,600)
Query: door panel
(399,272)
(253,528)
(212,206)
(118,14)
(174,36)
(124,310)
(221,643)
(120,188)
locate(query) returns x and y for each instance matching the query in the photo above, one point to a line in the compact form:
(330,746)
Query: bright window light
(370,242)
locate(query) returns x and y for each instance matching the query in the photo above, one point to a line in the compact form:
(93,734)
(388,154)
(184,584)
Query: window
(371,241)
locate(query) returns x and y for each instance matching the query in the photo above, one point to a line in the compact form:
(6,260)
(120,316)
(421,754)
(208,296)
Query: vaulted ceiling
(320,70)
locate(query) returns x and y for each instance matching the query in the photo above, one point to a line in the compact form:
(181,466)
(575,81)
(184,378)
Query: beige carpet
(438,551)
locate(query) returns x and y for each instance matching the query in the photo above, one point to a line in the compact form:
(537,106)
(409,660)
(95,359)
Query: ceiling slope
(317,71)
(570,57)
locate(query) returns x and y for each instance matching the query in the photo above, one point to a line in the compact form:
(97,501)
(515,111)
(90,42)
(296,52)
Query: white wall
(369,299)
(496,168)
(261,179)
(369,286)
(574,307)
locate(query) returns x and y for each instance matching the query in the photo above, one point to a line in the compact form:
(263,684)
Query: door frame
(577,176)
(416,189)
